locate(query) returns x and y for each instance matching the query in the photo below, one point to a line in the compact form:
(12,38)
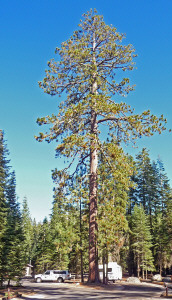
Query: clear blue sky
(30,30)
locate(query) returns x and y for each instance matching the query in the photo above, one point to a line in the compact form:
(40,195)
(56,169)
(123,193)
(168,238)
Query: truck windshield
(47,273)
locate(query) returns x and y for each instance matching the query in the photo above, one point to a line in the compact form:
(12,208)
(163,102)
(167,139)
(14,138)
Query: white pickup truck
(53,275)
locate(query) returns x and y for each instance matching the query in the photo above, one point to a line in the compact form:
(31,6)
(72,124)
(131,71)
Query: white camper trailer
(114,271)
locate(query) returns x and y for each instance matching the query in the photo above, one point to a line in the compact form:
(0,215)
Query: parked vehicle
(53,275)
(114,271)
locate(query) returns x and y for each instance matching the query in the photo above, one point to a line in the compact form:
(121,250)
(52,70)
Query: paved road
(65,291)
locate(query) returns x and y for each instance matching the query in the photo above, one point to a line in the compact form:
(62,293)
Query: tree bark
(138,266)
(81,252)
(93,260)
(93,227)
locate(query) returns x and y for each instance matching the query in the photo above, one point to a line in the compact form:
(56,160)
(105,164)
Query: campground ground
(73,290)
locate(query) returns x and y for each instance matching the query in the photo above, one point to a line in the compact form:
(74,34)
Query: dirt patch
(15,291)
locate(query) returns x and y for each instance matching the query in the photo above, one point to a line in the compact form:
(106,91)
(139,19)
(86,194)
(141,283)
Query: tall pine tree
(141,241)
(27,226)
(4,170)
(14,256)
(85,74)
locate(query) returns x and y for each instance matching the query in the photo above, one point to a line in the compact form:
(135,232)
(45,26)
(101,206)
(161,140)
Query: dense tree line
(134,218)
(149,212)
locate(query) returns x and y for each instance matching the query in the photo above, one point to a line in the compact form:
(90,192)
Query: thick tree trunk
(143,272)
(93,227)
(81,252)
(93,264)
(93,261)
(138,266)
(104,276)
(160,267)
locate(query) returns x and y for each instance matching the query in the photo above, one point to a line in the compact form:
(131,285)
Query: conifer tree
(79,202)
(154,193)
(36,228)
(62,237)
(141,241)
(163,186)
(14,257)
(44,249)
(85,74)
(113,190)
(27,226)
(144,169)
(4,169)
(147,185)
(133,197)
(168,222)
(162,220)
(64,223)
(160,240)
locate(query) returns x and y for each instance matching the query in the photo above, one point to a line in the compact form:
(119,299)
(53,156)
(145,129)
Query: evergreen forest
(134,220)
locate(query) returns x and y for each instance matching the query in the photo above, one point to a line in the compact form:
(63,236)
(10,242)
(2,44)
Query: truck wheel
(60,280)
(38,280)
